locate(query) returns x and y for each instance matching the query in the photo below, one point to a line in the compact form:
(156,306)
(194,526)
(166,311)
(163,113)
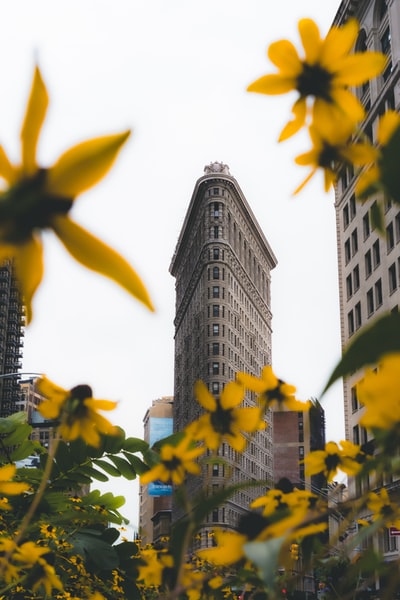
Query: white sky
(175,71)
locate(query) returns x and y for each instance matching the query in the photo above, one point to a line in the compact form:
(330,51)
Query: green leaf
(135,445)
(139,466)
(172,440)
(78,450)
(111,501)
(380,338)
(19,435)
(265,555)
(110,535)
(94,473)
(24,450)
(124,467)
(63,457)
(110,469)
(114,443)
(8,424)
(98,553)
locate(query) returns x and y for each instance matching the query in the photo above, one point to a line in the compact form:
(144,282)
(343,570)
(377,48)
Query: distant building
(222,265)
(11,340)
(155,498)
(29,399)
(295,435)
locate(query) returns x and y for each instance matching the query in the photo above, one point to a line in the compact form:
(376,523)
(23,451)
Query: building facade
(155,501)
(11,340)
(369,263)
(222,265)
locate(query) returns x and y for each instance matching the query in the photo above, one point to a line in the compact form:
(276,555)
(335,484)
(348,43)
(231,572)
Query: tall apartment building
(222,265)
(369,264)
(155,499)
(11,340)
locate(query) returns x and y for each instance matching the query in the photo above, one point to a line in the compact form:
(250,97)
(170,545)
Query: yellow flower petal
(50,390)
(388,124)
(96,404)
(7,472)
(231,395)
(272,84)
(284,56)
(7,171)
(97,256)
(311,40)
(29,269)
(33,121)
(338,43)
(299,111)
(82,166)
(204,397)
(357,68)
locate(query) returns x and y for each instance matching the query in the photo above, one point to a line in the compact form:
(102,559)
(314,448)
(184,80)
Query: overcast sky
(176,72)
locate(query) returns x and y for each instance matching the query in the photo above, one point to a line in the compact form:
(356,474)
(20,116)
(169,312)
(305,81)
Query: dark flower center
(222,419)
(76,406)
(275,394)
(26,207)
(332,461)
(252,525)
(173,463)
(315,81)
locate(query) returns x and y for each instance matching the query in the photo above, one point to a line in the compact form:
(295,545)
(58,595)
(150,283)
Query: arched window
(215,272)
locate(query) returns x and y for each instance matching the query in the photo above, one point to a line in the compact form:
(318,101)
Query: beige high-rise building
(222,265)
(369,264)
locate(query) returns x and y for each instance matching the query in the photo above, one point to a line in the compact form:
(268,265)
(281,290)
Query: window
(370,302)
(352,204)
(215,368)
(215,348)
(368,264)
(356,278)
(389,237)
(215,291)
(216,232)
(354,400)
(354,242)
(349,286)
(389,541)
(215,311)
(366,226)
(357,315)
(378,293)
(376,253)
(386,49)
(392,278)
(347,251)
(215,209)
(215,387)
(356,435)
(346,217)
(215,329)
(215,253)
(215,272)
(215,470)
(350,322)
(216,191)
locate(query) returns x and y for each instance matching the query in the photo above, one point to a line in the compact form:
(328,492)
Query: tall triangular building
(222,266)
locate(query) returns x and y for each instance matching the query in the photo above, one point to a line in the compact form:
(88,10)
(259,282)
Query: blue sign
(159,428)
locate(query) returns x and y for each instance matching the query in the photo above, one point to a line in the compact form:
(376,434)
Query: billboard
(159,428)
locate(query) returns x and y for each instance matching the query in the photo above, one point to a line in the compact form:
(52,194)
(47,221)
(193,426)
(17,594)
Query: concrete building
(369,264)
(29,399)
(155,499)
(222,265)
(11,340)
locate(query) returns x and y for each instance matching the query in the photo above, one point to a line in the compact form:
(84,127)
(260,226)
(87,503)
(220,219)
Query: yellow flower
(45,575)
(324,73)
(29,553)
(37,198)
(11,488)
(77,410)
(383,508)
(224,421)
(155,563)
(229,548)
(384,173)
(175,462)
(330,460)
(379,392)
(272,390)
(331,150)
(49,531)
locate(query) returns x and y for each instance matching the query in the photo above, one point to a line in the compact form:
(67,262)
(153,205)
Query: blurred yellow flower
(76,410)
(331,150)
(8,487)
(175,463)
(349,459)
(383,508)
(324,73)
(224,419)
(36,198)
(376,386)
(272,390)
